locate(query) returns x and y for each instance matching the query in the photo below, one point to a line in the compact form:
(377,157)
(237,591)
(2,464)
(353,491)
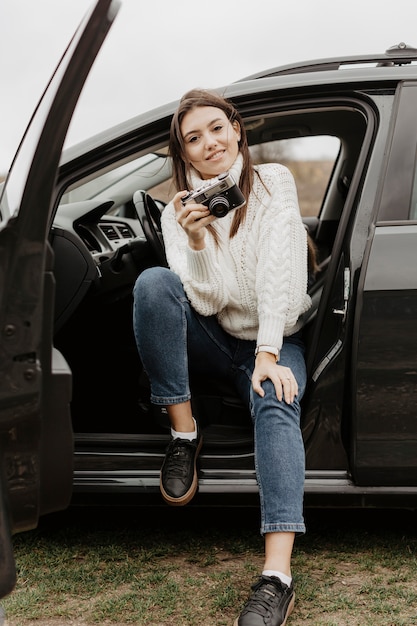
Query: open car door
(36,443)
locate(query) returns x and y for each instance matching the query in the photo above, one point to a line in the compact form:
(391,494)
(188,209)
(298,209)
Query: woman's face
(210,140)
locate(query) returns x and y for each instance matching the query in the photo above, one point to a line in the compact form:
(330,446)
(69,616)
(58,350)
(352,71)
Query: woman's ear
(236,127)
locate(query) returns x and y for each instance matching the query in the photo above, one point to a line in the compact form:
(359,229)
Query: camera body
(220,195)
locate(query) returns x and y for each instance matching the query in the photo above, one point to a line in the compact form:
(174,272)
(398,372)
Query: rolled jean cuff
(170,400)
(298,529)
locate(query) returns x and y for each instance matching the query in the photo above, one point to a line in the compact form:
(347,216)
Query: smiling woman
(228,305)
(209,146)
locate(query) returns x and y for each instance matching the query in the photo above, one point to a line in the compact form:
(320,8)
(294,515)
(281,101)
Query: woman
(230,303)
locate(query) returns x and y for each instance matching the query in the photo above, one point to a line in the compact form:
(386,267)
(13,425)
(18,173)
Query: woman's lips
(215,156)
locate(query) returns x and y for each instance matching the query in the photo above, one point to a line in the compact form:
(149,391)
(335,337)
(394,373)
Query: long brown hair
(204,98)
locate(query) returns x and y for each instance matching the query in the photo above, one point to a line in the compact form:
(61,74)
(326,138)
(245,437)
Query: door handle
(346,292)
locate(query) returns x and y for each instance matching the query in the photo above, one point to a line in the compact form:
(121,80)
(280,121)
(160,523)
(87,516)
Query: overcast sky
(158,49)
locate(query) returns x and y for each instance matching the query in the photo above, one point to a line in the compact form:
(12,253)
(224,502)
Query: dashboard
(95,253)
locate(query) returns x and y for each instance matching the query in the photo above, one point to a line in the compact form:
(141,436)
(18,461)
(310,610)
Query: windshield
(141,173)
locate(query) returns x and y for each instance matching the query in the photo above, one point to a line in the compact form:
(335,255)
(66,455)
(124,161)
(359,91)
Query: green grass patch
(183,568)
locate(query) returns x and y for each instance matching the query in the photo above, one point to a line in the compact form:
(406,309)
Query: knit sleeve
(199,271)
(281,278)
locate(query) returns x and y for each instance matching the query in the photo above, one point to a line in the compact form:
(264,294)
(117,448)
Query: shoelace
(176,455)
(265,596)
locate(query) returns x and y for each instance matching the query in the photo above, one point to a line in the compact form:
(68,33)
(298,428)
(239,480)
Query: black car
(78,227)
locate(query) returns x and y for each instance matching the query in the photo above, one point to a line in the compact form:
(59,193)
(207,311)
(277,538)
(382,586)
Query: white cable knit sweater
(256,283)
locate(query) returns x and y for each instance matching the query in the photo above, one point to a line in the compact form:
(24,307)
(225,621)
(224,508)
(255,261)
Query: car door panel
(384,450)
(35,384)
(326,363)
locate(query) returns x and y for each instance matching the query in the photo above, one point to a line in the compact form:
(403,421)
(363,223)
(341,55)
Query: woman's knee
(153,283)
(269,409)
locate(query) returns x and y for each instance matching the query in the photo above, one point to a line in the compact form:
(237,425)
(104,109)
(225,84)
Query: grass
(189,567)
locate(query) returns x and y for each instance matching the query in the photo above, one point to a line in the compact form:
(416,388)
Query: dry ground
(195,569)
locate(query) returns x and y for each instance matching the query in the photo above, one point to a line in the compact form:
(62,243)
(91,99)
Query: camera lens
(219,206)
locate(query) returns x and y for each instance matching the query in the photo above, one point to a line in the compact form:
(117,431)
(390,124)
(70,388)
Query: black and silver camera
(220,195)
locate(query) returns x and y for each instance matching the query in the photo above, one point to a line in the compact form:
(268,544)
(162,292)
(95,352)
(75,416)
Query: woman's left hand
(284,380)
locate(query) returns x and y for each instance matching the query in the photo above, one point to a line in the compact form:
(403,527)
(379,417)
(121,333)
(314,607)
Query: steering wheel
(149,216)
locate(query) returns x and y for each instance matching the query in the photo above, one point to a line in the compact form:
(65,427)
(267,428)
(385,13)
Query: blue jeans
(172,337)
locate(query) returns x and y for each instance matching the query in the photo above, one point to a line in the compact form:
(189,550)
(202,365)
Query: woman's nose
(209,140)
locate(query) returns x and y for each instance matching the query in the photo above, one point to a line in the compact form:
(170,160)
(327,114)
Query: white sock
(190,436)
(287,580)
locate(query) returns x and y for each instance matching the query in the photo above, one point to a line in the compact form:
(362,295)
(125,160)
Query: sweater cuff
(271,332)
(200,265)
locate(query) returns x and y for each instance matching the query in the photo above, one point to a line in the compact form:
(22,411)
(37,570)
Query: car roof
(397,63)
(399,55)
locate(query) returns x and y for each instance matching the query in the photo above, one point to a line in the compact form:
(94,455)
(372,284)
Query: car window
(164,191)
(310,160)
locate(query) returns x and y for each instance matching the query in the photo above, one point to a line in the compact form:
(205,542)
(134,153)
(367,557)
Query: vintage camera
(220,195)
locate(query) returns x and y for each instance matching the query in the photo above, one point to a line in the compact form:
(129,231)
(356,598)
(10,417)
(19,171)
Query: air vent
(89,239)
(125,231)
(114,231)
(110,231)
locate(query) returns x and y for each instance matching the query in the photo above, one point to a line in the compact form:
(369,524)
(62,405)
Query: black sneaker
(270,604)
(179,481)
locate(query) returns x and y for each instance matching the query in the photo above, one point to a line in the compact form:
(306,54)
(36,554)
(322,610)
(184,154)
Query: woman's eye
(218,128)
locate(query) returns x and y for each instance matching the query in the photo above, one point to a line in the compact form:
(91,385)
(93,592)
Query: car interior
(106,231)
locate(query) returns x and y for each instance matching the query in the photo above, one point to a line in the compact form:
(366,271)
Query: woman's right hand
(193,218)
(285,383)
